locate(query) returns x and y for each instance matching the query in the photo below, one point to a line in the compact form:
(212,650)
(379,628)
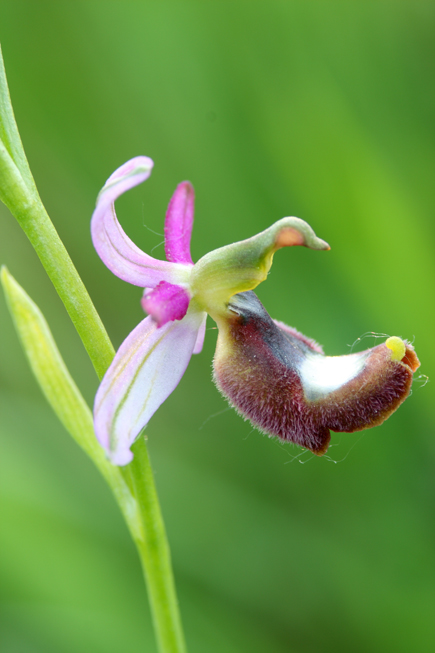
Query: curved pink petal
(179,223)
(146,369)
(166,302)
(113,245)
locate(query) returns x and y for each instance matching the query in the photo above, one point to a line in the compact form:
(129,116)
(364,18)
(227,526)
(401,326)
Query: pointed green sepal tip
(16,179)
(241,266)
(293,231)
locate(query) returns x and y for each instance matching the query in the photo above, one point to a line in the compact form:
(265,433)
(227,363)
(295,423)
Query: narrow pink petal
(146,369)
(113,245)
(179,223)
(166,302)
(201,335)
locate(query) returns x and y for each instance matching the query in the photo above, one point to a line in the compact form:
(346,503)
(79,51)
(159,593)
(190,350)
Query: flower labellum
(284,384)
(273,375)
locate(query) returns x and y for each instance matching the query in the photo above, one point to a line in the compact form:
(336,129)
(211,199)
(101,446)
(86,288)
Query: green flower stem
(69,286)
(154,551)
(18,191)
(133,486)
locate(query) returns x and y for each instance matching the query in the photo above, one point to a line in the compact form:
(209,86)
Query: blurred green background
(322,110)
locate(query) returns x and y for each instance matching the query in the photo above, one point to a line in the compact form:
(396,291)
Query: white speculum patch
(321,375)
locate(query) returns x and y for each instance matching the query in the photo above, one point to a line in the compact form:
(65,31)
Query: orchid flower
(273,375)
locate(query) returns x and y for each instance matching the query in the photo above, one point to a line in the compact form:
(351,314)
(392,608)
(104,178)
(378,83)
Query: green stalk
(154,552)
(145,522)
(18,191)
(57,263)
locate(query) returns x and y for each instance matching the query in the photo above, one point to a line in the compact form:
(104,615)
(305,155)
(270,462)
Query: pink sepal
(146,369)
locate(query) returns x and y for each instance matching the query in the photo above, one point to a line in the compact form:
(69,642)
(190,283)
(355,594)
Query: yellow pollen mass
(397,347)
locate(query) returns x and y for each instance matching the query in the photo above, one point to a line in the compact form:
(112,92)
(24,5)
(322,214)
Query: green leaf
(62,393)
(48,365)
